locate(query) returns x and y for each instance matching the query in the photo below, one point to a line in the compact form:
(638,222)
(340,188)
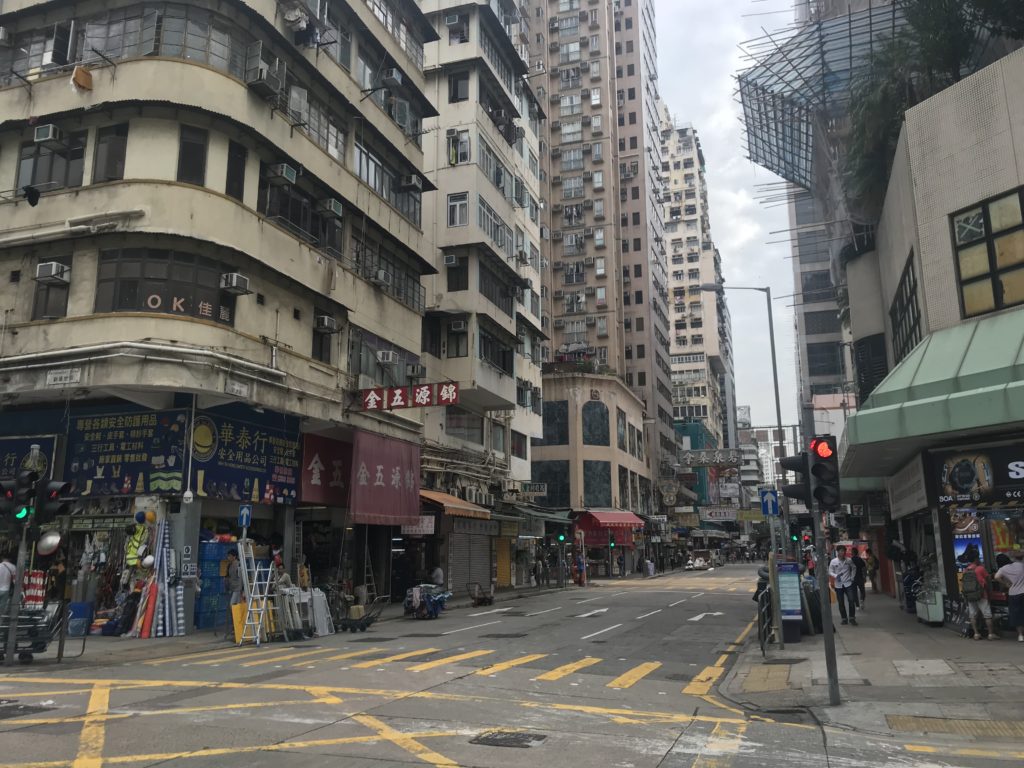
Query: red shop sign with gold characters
(415,396)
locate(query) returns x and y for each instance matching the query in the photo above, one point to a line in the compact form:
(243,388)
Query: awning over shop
(962,382)
(454,506)
(385,480)
(609,518)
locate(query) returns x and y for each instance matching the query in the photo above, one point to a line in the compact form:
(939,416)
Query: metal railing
(764,618)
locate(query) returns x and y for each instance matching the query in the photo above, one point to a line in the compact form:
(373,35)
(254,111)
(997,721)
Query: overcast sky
(698,59)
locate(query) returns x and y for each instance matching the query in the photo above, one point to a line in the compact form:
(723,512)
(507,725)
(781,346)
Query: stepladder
(258,581)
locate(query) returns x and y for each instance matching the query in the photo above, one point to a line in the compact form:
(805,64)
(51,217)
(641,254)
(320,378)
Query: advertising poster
(119,454)
(789,591)
(981,478)
(240,461)
(21,453)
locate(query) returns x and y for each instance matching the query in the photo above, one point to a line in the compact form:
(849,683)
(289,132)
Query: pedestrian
(974,587)
(622,565)
(581,570)
(437,576)
(841,574)
(8,573)
(1012,576)
(872,563)
(233,586)
(859,577)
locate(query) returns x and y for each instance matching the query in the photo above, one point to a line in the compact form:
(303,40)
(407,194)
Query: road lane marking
(94,729)
(236,653)
(475,626)
(732,589)
(124,715)
(404,741)
(396,657)
(589,600)
(965,752)
(567,669)
(703,681)
(700,616)
(725,741)
(648,614)
(633,676)
(600,632)
(286,657)
(338,657)
(549,610)
(502,666)
(746,631)
(186,657)
(594,612)
(721,660)
(494,610)
(447,660)
(677,602)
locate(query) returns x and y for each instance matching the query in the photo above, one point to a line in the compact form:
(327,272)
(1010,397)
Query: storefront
(601,527)
(467,532)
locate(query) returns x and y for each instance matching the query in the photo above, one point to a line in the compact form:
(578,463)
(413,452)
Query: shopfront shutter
(479,561)
(458,561)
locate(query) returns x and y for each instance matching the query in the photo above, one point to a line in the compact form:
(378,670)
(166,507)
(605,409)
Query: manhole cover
(9,709)
(503,637)
(508,739)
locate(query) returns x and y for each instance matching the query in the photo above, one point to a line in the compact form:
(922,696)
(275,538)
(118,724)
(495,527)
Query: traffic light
(7,491)
(824,463)
(611,539)
(49,504)
(807,539)
(794,532)
(800,490)
(25,494)
(561,538)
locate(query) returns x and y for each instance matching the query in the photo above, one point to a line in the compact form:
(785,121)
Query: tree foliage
(1001,17)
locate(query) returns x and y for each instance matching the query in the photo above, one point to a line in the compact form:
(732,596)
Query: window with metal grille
(905,314)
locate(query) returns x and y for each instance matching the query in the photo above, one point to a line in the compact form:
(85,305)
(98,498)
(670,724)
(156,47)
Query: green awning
(959,383)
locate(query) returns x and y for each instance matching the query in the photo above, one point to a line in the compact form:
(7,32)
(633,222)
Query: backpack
(970,586)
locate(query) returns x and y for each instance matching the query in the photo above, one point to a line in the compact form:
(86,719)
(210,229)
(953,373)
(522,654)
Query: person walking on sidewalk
(233,586)
(872,563)
(841,573)
(974,587)
(859,577)
(1012,575)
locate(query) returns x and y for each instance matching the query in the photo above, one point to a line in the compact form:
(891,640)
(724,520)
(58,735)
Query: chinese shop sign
(416,396)
(326,469)
(385,481)
(33,453)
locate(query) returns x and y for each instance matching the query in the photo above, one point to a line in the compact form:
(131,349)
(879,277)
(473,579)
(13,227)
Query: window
(464,425)
(572,159)
(458,87)
(458,209)
(163,281)
(641,378)
(989,243)
(638,298)
(53,169)
(458,148)
(459,33)
(595,97)
(235,184)
(322,342)
(52,300)
(457,344)
(572,187)
(111,144)
(570,105)
(596,151)
(599,241)
(824,359)
(641,352)
(599,181)
(817,286)
(497,437)
(595,120)
(822,322)
(639,324)
(519,443)
(458,276)
(904,314)
(192,155)
(601,295)
(599,208)
(572,131)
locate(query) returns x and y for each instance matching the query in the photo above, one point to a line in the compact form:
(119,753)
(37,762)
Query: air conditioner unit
(451,260)
(387,357)
(591,320)
(523,257)
(411,183)
(5,37)
(451,133)
(558,294)
(382,278)
(51,273)
(457,326)
(559,322)
(325,324)
(556,125)
(596,131)
(553,24)
(556,208)
(512,292)
(520,132)
(554,98)
(588,203)
(589,290)
(415,371)
(366,382)
(280,174)
(585,94)
(49,135)
(553,46)
(584,66)
(234,283)
(556,180)
(584,42)
(588,261)
(330,206)
(585,120)
(588,232)
(451,20)
(556,235)
(554,71)
(391,78)
(557,265)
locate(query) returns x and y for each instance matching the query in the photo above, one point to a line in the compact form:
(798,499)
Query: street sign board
(244,515)
(790,607)
(769,502)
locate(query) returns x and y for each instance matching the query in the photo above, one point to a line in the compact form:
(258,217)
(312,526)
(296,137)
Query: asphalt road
(618,674)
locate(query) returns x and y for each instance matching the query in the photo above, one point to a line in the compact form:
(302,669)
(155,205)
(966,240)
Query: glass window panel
(1005,212)
(973,261)
(1010,249)
(1013,287)
(978,298)
(969,226)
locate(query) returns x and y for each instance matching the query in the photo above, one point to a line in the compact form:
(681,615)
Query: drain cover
(503,637)
(509,739)
(9,709)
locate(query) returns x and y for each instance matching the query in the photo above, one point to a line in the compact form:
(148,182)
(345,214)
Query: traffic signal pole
(825,601)
(780,434)
(15,605)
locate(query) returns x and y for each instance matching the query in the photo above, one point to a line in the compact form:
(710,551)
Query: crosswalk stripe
(397,657)
(286,657)
(339,657)
(185,657)
(244,652)
(501,667)
(704,681)
(567,669)
(447,660)
(634,675)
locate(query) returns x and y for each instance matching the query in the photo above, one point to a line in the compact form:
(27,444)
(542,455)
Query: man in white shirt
(841,574)
(437,576)
(8,572)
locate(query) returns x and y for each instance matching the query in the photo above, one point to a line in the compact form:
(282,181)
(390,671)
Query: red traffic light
(822,449)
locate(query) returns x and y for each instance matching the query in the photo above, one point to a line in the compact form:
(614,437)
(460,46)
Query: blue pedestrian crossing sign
(244,515)
(769,502)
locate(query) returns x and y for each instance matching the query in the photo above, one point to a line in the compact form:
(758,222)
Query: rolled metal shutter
(459,562)
(479,561)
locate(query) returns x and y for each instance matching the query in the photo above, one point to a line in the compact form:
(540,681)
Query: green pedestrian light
(23,513)
(561,537)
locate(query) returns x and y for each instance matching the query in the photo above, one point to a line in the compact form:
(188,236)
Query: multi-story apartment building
(703,378)
(483,314)
(215,240)
(594,453)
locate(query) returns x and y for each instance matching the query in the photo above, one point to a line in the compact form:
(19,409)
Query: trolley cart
(36,630)
(373,612)
(477,594)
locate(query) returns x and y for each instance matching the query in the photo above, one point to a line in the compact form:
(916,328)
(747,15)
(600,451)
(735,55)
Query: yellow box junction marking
(634,675)
(567,669)
(94,731)
(404,740)
(448,660)
(502,666)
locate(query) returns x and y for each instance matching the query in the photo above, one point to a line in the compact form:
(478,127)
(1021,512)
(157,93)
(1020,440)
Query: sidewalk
(896,676)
